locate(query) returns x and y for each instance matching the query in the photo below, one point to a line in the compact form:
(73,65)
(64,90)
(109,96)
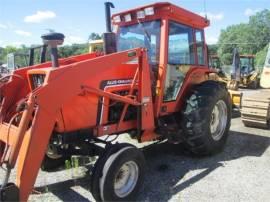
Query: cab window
(180,57)
(181,50)
(200,47)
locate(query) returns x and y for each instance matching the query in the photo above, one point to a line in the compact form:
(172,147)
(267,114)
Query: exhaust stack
(109,37)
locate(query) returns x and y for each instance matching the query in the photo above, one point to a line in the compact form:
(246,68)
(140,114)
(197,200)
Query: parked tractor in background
(215,63)
(256,108)
(249,74)
(243,71)
(23,59)
(229,80)
(3,70)
(150,83)
(17,60)
(96,46)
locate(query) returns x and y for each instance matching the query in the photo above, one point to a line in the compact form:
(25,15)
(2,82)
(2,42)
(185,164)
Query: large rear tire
(207,118)
(118,174)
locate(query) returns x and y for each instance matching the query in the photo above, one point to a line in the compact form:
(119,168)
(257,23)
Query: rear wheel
(118,174)
(207,118)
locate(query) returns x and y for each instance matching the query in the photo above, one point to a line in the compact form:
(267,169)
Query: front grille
(37,80)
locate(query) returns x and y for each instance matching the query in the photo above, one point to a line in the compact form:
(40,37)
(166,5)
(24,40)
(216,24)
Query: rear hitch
(10,192)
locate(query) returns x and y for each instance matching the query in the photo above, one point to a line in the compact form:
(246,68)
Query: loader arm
(26,142)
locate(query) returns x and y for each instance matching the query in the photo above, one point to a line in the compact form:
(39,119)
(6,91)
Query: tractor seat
(53,36)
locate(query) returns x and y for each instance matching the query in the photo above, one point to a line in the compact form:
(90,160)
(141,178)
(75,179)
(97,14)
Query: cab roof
(168,10)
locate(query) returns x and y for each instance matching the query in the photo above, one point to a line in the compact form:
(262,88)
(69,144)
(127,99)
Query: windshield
(16,61)
(145,34)
(246,65)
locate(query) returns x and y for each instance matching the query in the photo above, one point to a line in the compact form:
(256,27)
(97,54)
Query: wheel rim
(52,152)
(126,179)
(218,120)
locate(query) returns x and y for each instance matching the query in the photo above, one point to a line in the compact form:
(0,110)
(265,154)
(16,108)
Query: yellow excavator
(243,74)
(255,109)
(250,76)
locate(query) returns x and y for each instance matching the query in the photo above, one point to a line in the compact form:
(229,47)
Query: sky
(24,21)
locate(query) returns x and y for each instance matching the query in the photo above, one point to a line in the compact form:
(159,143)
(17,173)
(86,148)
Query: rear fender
(194,76)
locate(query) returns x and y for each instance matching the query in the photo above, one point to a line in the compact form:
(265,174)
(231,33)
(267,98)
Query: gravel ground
(240,173)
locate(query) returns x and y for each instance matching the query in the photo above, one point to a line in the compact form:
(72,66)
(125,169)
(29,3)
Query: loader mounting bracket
(9,193)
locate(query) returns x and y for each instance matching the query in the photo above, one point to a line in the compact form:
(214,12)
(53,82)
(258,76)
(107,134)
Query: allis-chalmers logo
(118,82)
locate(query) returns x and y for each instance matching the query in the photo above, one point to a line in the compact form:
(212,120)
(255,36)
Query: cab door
(186,50)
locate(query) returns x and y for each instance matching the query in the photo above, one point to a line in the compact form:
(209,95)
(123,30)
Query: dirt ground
(240,173)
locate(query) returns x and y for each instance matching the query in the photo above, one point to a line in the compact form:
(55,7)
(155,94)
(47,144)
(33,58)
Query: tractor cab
(175,43)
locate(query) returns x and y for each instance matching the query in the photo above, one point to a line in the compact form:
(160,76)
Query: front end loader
(153,81)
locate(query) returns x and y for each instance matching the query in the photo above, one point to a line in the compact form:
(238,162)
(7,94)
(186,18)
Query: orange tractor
(152,81)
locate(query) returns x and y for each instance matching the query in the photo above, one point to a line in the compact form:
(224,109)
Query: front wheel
(118,174)
(207,118)
(52,159)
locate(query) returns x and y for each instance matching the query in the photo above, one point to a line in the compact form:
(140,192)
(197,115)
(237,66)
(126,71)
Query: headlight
(117,19)
(149,11)
(140,14)
(127,17)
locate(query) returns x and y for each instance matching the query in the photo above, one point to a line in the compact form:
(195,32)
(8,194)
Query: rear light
(140,14)
(149,11)
(127,18)
(117,19)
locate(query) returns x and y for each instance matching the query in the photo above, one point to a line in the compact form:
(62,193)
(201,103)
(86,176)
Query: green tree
(249,37)
(94,36)
(260,57)
(75,49)
(5,51)
(212,49)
